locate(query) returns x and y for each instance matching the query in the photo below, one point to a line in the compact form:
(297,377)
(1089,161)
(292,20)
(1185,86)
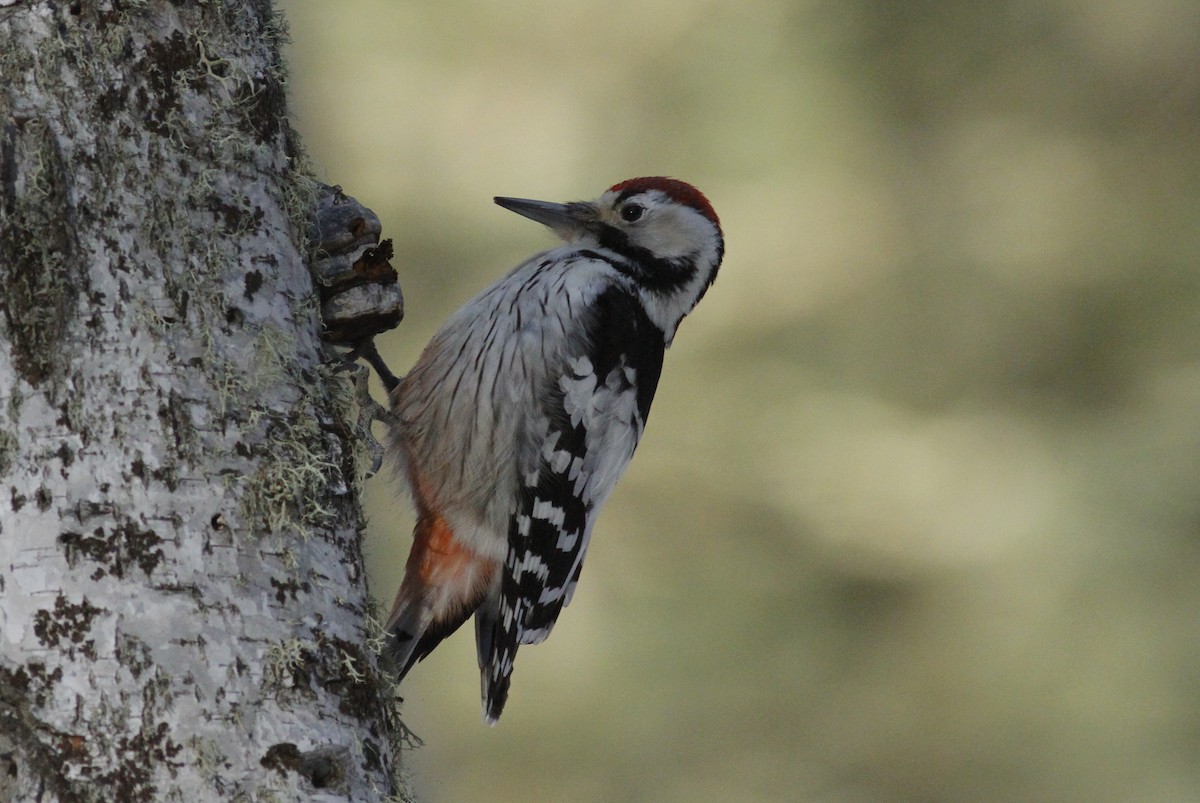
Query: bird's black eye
(632,213)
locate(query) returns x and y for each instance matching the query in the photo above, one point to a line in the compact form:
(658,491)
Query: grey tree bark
(183,605)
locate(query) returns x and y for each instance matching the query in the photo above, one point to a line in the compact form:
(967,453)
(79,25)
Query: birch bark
(182,598)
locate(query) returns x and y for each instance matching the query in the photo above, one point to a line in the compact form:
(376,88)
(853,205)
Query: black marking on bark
(138,468)
(114,550)
(69,622)
(237,215)
(265,106)
(86,509)
(169,62)
(32,679)
(39,273)
(253,283)
(288,587)
(359,695)
(111,102)
(8,450)
(175,414)
(142,754)
(66,457)
(322,767)
(42,748)
(133,654)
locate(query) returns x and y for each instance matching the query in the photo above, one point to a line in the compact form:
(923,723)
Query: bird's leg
(365,349)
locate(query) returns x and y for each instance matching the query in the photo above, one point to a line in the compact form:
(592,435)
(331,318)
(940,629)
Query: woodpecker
(524,410)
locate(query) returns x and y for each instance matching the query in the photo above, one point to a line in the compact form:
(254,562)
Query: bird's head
(665,230)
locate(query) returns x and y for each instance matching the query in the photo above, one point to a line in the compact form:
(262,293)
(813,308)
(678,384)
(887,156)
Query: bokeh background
(917,514)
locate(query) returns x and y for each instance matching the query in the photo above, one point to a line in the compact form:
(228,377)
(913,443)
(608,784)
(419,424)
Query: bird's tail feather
(493,680)
(496,649)
(405,631)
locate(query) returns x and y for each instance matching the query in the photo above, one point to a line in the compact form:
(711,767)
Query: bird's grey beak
(566,220)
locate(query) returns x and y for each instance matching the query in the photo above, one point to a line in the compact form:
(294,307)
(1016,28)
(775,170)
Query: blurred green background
(917,514)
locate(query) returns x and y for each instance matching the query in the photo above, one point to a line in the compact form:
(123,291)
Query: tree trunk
(182,597)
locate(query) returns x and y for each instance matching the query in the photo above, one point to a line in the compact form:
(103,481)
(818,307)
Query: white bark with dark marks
(182,599)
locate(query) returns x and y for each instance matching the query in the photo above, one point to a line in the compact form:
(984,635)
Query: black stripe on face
(658,275)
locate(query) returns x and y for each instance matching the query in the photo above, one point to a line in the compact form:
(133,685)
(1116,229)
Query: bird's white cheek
(675,236)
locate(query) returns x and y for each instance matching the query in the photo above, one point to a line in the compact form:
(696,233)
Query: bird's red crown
(676,190)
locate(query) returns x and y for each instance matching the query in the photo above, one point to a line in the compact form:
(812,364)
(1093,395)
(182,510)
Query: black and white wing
(596,411)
